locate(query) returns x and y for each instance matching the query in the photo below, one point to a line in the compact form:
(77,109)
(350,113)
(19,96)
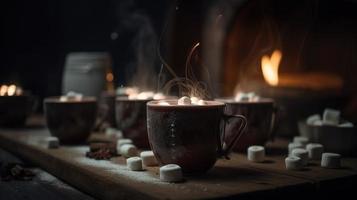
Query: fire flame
(270,67)
(10,90)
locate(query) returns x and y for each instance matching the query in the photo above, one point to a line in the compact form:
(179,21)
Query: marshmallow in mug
(184,101)
(72,96)
(331,117)
(250,96)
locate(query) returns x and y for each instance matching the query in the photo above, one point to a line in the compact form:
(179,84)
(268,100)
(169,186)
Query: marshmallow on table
(256,153)
(346,125)
(113,132)
(331,160)
(128,150)
(301,139)
(312,119)
(293,163)
(315,150)
(171,173)
(201,102)
(134,163)
(301,153)
(50,142)
(184,101)
(148,158)
(121,142)
(293,146)
(331,117)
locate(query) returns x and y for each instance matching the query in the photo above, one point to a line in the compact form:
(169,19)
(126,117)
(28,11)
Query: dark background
(37,35)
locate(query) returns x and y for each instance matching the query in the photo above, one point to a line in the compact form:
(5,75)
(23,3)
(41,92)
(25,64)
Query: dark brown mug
(71,121)
(261,121)
(190,135)
(130,116)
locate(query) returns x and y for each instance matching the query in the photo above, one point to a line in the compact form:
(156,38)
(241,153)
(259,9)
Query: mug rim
(56,99)
(230,100)
(212,104)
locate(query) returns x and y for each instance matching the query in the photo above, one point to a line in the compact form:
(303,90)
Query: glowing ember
(270,67)
(10,90)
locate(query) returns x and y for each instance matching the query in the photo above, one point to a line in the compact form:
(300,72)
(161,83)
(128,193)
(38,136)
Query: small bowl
(71,121)
(342,140)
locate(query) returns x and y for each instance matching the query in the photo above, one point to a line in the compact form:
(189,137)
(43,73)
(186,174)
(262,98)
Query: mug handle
(226,149)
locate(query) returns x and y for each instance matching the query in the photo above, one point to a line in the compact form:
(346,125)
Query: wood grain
(111,179)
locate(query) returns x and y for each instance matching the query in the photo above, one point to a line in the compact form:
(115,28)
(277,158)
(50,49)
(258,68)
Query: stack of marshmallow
(330,117)
(301,151)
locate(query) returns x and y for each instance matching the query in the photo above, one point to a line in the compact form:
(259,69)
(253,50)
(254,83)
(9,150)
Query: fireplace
(300,53)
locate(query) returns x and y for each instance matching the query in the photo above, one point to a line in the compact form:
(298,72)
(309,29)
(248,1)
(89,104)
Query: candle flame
(10,90)
(270,67)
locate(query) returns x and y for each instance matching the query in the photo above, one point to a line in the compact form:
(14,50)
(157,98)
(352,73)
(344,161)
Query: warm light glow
(3,90)
(110,77)
(10,90)
(270,67)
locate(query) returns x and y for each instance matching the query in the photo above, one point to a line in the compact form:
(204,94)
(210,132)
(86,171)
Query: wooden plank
(111,179)
(324,179)
(43,185)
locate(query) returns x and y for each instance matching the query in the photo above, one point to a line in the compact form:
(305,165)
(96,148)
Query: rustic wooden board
(324,179)
(111,179)
(42,186)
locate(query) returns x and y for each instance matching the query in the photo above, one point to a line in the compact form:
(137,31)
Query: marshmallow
(121,142)
(293,163)
(184,101)
(318,123)
(134,164)
(293,146)
(315,150)
(128,150)
(301,139)
(331,117)
(331,160)
(163,103)
(301,153)
(148,158)
(256,153)
(312,119)
(201,102)
(158,96)
(171,173)
(50,142)
(346,125)
(113,133)
(194,100)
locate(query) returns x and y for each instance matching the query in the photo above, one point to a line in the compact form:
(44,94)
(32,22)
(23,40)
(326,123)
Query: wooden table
(228,179)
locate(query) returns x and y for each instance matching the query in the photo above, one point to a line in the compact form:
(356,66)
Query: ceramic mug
(72,120)
(190,135)
(261,121)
